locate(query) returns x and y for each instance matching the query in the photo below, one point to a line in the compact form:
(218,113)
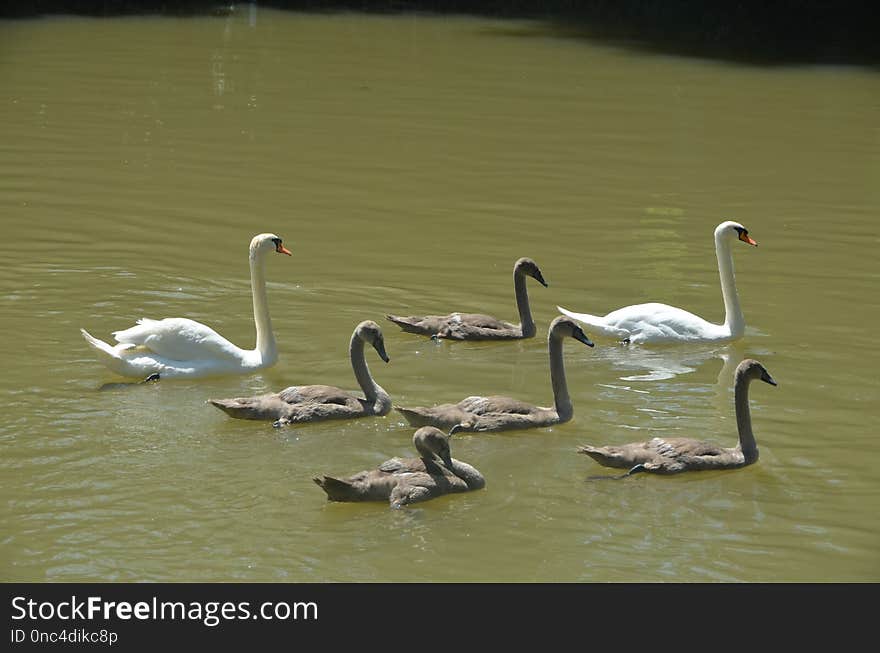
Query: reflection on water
(407,162)
(661,363)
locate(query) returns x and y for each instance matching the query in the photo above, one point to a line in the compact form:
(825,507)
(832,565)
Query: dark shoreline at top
(784,32)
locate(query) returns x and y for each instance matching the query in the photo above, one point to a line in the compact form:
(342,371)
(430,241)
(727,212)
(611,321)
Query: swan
(674,455)
(473,326)
(402,481)
(496,413)
(657,323)
(311,403)
(177,347)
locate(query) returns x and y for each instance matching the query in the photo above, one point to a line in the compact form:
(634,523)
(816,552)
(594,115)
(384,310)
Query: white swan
(663,323)
(178,347)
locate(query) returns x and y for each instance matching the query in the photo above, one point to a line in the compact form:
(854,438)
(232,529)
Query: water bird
(659,323)
(474,326)
(178,347)
(404,481)
(674,455)
(312,403)
(498,413)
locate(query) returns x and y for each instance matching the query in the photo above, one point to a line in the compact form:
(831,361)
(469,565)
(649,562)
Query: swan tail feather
(415,416)
(336,489)
(599,454)
(408,324)
(595,322)
(98,345)
(606,457)
(441,417)
(240,408)
(103,347)
(109,355)
(226,405)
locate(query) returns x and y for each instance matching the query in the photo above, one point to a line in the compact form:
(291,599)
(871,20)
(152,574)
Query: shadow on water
(756,32)
(616,477)
(124,386)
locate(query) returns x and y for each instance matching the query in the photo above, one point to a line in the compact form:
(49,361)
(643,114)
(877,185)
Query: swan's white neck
(561,399)
(744,419)
(527,324)
(266,345)
(373,392)
(734,321)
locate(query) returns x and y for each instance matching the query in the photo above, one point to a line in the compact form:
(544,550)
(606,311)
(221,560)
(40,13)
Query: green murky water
(407,162)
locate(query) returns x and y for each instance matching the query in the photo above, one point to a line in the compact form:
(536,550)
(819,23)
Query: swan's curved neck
(266,345)
(557,379)
(432,465)
(468,474)
(373,392)
(744,419)
(429,458)
(733,316)
(522,304)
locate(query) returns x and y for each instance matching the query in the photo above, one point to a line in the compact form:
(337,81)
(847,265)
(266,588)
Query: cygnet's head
(529,268)
(564,327)
(431,442)
(369,332)
(752,369)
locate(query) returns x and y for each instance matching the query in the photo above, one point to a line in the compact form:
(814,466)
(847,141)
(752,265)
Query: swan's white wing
(662,323)
(180,339)
(651,322)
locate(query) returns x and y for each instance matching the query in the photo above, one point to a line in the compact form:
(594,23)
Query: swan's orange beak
(743,236)
(281,249)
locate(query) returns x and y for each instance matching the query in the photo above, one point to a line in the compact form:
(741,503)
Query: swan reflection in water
(643,364)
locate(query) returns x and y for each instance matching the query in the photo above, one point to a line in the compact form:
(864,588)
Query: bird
(675,455)
(661,323)
(404,481)
(311,403)
(178,347)
(498,413)
(474,326)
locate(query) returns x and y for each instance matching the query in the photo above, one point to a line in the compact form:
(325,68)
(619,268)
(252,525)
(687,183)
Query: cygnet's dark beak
(379,346)
(766,378)
(578,334)
(540,278)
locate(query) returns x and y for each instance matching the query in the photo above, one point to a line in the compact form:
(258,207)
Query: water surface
(408,162)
